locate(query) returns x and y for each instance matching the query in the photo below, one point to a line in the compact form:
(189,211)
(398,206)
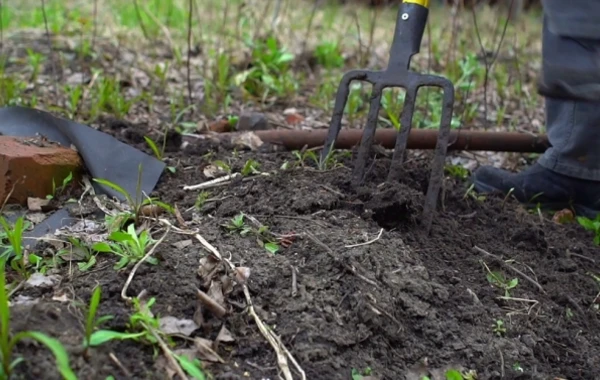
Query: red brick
(30,164)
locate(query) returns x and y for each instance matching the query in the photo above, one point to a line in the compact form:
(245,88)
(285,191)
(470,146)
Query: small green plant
(238,224)
(328,55)
(269,72)
(65,182)
(159,153)
(499,328)
(128,246)
(136,203)
(457,171)
(79,251)
(359,375)
(250,167)
(499,280)
(143,322)
(14,235)
(9,341)
(94,337)
(35,61)
(201,199)
(591,225)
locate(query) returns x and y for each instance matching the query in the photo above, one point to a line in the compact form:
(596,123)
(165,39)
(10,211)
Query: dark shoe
(538,185)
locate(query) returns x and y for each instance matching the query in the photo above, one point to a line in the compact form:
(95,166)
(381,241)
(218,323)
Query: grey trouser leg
(571,84)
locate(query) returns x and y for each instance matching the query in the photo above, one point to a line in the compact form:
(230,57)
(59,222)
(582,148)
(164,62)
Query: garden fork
(410,26)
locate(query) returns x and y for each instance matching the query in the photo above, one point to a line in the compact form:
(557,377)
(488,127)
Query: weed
(14,235)
(250,167)
(591,225)
(499,280)
(201,199)
(143,322)
(263,236)
(135,204)
(329,55)
(9,341)
(128,246)
(499,328)
(457,171)
(57,191)
(95,337)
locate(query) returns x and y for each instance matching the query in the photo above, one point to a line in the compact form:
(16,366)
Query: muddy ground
(401,304)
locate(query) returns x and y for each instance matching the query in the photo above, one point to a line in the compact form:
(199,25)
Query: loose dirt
(358,285)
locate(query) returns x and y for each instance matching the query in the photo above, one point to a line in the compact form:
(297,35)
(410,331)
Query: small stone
(254,121)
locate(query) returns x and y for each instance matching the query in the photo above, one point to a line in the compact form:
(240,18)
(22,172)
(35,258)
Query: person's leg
(569,172)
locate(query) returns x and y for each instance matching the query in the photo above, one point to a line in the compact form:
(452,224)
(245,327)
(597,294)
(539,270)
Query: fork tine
(341,98)
(408,110)
(441,148)
(368,135)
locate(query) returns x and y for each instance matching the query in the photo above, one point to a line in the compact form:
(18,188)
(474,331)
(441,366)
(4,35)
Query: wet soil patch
(357,284)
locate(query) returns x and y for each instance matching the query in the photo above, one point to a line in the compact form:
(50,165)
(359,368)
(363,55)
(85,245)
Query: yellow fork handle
(423,3)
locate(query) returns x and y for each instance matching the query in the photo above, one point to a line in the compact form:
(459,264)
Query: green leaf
(122,263)
(120,236)
(513,283)
(190,367)
(115,187)
(102,247)
(57,349)
(453,374)
(153,146)
(102,336)
(272,247)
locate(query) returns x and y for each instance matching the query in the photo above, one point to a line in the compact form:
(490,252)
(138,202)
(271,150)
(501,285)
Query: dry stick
(294,281)
(510,267)
(281,358)
(166,351)
(189,52)
(52,63)
(367,242)
(213,183)
(277,345)
(211,304)
(120,365)
(346,266)
(137,265)
(164,29)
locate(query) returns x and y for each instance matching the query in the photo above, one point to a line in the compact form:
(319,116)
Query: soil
(400,302)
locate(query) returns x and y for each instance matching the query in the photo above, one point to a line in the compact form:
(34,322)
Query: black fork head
(410,26)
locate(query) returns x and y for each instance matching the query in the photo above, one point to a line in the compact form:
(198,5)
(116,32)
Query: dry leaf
(216,293)
(38,280)
(224,336)
(171,326)
(242,274)
(213,171)
(247,140)
(198,317)
(182,244)
(36,217)
(152,211)
(36,204)
(207,265)
(205,351)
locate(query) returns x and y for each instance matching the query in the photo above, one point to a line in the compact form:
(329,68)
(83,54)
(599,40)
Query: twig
(294,281)
(120,365)
(137,265)
(211,304)
(346,266)
(167,351)
(367,242)
(273,340)
(213,183)
(189,52)
(510,267)
(269,336)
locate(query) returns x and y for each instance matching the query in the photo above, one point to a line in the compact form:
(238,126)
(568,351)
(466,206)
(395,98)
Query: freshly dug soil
(345,294)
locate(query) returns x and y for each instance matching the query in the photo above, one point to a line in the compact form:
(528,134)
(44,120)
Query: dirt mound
(359,287)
